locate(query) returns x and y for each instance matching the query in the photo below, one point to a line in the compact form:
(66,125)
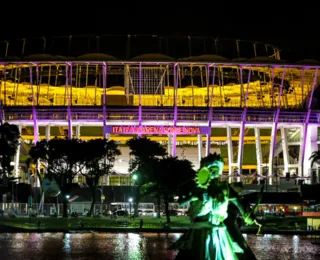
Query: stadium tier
(261,113)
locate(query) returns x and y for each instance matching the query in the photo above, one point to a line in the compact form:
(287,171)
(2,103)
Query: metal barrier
(23,209)
(130,114)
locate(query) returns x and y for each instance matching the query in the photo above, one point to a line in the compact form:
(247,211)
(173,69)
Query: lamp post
(130,204)
(102,197)
(134,177)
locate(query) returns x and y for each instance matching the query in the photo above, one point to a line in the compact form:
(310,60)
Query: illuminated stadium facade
(261,113)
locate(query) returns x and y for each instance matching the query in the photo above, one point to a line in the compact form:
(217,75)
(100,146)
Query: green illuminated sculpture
(208,237)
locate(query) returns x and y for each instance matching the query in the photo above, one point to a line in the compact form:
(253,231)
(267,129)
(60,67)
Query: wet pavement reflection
(137,246)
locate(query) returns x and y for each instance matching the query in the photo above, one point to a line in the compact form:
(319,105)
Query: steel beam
(243,122)
(275,126)
(69,112)
(104,102)
(306,123)
(34,110)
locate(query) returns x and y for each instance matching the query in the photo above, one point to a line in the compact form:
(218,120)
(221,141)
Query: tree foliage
(169,176)
(143,152)
(63,159)
(9,142)
(315,158)
(100,155)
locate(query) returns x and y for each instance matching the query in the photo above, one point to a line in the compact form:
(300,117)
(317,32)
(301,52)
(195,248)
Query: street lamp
(102,198)
(130,202)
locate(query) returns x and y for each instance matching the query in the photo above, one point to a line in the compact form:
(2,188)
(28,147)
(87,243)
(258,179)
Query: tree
(171,174)
(144,151)
(9,142)
(99,160)
(315,158)
(63,159)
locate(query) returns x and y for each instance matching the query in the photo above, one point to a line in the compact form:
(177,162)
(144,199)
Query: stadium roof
(127,47)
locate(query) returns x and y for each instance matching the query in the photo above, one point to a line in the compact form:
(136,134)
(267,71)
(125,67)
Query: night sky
(294,28)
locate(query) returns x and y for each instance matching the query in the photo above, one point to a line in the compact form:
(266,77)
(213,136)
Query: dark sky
(293,27)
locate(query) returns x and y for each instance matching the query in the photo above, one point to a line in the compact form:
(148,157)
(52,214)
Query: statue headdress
(210,167)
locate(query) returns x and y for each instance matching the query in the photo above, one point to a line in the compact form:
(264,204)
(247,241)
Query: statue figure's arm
(193,198)
(248,217)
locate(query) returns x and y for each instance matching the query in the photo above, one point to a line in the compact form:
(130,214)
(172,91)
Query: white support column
(78,129)
(243,124)
(258,149)
(230,149)
(35,131)
(140,99)
(208,143)
(174,145)
(285,148)
(311,146)
(17,156)
(78,133)
(169,144)
(304,161)
(301,157)
(48,127)
(210,98)
(69,112)
(273,143)
(241,145)
(1,112)
(104,101)
(199,148)
(34,109)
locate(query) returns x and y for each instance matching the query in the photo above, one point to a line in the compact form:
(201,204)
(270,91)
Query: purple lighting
(160,130)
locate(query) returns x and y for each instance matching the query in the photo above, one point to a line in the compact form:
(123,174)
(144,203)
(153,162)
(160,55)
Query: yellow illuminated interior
(260,92)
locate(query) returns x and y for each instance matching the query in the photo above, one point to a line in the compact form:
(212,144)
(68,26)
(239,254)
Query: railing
(131,114)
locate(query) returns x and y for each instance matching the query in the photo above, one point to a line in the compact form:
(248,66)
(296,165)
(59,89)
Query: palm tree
(315,158)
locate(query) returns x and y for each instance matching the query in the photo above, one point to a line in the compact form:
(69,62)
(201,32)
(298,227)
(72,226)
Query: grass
(91,222)
(50,223)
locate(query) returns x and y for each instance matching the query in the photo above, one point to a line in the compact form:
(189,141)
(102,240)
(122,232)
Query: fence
(23,209)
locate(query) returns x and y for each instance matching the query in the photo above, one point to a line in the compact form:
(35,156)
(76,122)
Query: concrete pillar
(258,149)
(230,151)
(273,144)
(169,144)
(70,134)
(301,157)
(78,128)
(17,156)
(199,147)
(208,144)
(48,128)
(174,145)
(240,147)
(311,146)
(284,142)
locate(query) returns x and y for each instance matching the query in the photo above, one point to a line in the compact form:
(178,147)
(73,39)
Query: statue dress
(208,237)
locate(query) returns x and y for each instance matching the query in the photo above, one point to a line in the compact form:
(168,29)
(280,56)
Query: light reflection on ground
(137,246)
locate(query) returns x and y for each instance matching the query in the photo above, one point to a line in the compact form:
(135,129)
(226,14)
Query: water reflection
(281,247)
(137,246)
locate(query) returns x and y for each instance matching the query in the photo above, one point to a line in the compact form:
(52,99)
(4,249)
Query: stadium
(195,95)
